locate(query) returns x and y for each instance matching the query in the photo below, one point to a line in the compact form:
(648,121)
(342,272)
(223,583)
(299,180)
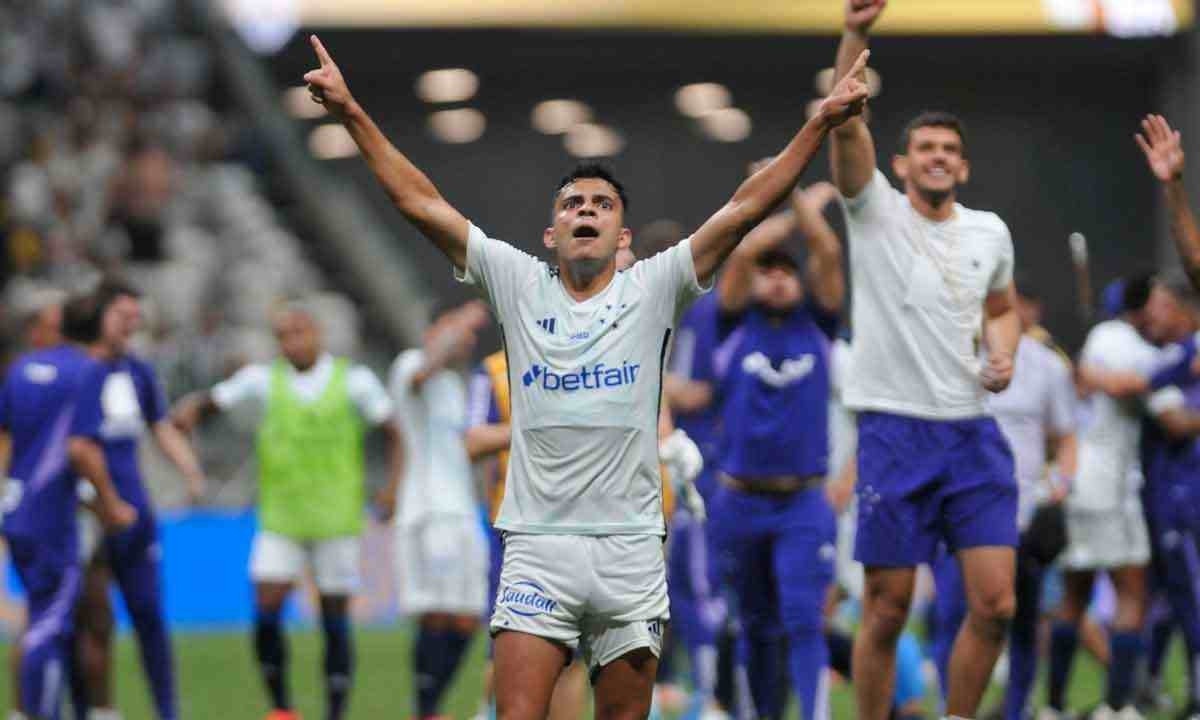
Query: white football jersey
(432,419)
(586,379)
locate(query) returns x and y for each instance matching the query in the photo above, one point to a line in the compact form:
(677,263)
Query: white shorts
(442,566)
(1108,538)
(605,595)
(334,561)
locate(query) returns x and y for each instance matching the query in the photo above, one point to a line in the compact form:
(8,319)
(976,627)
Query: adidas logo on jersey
(596,377)
(547,324)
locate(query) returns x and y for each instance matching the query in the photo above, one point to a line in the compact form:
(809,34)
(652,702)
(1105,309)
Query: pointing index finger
(319,49)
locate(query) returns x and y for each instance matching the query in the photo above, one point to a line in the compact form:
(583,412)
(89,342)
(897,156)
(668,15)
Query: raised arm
(192,409)
(410,190)
(452,340)
(762,191)
(852,151)
(825,279)
(733,287)
(1164,154)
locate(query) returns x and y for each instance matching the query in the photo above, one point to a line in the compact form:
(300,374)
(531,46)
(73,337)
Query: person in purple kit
(119,398)
(932,289)
(697,610)
(37,402)
(773,528)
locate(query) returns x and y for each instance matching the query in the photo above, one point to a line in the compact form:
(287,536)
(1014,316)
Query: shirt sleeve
(89,413)
(1002,275)
(1061,412)
(151,394)
(481,401)
(250,384)
(368,395)
(400,376)
(871,199)
(671,277)
(1173,365)
(497,268)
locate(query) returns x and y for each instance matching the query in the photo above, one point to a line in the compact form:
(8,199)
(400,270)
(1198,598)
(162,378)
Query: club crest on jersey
(789,371)
(527,598)
(596,377)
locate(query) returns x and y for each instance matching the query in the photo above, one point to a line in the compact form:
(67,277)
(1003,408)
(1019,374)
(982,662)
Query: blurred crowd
(118,159)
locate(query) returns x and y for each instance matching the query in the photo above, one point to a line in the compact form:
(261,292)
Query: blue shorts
(925,481)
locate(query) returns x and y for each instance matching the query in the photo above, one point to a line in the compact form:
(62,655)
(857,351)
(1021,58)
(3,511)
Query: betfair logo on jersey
(527,598)
(596,377)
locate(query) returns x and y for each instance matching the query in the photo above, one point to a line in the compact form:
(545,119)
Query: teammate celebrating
(773,528)
(37,402)
(582,510)
(440,548)
(928,273)
(120,398)
(311,489)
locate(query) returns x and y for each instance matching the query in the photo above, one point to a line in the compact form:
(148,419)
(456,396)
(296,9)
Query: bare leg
(989,580)
(94,628)
(526,668)
(886,597)
(625,687)
(569,701)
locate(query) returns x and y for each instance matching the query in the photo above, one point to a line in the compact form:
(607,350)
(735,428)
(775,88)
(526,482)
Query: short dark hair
(1136,292)
(933,118)
(598,172)
(83,315)
(777,258)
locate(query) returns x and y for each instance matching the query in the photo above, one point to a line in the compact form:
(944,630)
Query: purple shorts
(921,481)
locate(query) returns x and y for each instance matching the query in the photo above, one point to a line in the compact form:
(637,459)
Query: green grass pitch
(218,679)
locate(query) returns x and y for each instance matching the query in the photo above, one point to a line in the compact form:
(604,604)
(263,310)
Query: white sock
(17,715)
(103,714)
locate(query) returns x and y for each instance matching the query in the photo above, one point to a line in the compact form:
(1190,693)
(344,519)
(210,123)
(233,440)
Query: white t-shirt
(1109,466)
(919,289)
(252,384)
(437,471)
(586,379)
(1040,401)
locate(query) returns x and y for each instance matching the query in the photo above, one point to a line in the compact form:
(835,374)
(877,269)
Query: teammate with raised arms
(933,467)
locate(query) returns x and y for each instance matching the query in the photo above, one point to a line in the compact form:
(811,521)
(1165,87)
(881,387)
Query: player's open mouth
(585,231)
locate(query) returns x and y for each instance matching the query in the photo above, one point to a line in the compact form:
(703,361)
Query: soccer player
(37,402)
(773,528)
(441,552)
(928,275)
(1038,410)
(120,397)
(582,511)
(1106,526)
(315,412)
